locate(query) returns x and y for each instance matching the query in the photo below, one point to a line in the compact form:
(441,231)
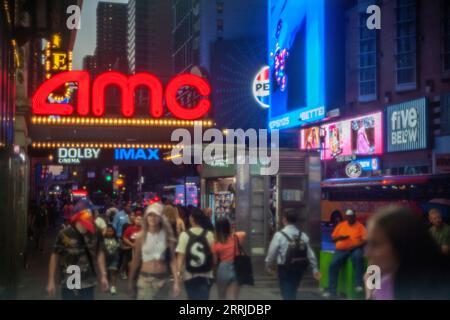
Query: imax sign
(407,126)
(136,154)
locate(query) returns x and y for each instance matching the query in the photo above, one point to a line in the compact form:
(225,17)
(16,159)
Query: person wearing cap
(349,237)
(154,260)
(78,248)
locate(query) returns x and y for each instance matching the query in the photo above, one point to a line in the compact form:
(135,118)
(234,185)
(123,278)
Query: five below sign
(75,155)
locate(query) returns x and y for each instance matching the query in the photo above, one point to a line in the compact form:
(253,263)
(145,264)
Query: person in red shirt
(225,249)
(132,231)
(350,237)
(128,238)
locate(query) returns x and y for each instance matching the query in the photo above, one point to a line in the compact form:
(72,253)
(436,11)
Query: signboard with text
(407,126)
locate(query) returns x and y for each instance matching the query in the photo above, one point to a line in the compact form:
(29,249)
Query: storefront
(384,155)
(254,202)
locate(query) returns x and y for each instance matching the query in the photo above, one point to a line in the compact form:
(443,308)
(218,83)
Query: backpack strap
(289,239)
(286,236)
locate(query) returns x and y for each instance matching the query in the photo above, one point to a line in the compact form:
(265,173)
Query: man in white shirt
(290,277)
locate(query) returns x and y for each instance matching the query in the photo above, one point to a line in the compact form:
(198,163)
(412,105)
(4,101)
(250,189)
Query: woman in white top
(154,252)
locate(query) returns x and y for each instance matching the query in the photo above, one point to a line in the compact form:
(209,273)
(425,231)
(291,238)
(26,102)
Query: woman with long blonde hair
(172,214)
(154,257)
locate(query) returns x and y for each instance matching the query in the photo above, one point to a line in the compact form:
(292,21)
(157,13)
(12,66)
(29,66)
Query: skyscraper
(111,51)
(197,24)
(90,64)
(149,37)
(112,37)
(149,41)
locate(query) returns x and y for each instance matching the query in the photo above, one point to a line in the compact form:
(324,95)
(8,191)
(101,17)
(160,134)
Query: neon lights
(104,145)
(136,154)
(76,155)
(127,86)
(41,106)
(186,80)
(56,61)
(38,120)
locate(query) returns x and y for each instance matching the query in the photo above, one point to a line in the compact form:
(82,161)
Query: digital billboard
(296,61)
(310,138)
(357,136)
(306,59)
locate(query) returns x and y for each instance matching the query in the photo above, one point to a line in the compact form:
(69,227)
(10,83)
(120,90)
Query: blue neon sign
(136,154)
(370,164)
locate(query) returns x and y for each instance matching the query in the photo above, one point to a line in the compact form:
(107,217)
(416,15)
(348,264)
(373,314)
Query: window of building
(219,7)
(406,45)
(446,36)
(219,25)
(367,58)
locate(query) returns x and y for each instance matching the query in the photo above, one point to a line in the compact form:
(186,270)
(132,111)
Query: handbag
(242,265)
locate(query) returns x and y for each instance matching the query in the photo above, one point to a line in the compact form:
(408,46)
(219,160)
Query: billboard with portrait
(359,136)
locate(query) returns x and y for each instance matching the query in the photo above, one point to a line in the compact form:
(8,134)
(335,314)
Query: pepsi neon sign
(122,154)
(94,100)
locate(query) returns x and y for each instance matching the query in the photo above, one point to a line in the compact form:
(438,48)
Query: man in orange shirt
(350,237)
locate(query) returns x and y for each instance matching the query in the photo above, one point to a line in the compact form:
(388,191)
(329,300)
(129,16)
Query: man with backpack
(195,258)
(291,253)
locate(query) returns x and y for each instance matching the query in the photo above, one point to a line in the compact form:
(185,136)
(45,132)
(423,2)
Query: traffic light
(108,178)
(120,182)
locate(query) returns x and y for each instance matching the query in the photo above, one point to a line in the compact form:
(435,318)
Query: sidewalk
(33,282)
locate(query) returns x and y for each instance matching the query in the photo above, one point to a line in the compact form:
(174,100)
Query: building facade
(111,49)
(90,64)
(398,77)
(149,40)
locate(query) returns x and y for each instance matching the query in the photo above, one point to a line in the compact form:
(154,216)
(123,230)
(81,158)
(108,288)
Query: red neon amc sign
(127,86)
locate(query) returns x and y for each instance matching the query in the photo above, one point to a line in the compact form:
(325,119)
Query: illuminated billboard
(306,59)
(359,136)
(310,138)
(407,126)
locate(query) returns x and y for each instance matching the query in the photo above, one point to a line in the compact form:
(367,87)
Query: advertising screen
(310,139)
(358,136)
(296,61)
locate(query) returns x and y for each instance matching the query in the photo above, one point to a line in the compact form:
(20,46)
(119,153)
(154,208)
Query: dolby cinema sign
(77,155)
(407,126)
